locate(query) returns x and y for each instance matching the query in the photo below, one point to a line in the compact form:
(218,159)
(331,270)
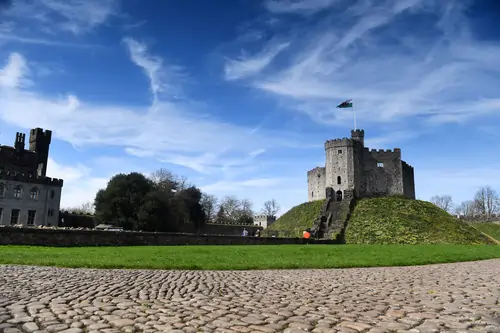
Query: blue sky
(239,95)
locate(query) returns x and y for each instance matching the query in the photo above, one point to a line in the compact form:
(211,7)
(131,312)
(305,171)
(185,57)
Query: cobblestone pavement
(462,297)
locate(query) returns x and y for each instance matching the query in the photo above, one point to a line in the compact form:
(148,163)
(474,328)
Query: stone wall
(408,180)
(88,221)
(69,238)
(316,184)
(384,180)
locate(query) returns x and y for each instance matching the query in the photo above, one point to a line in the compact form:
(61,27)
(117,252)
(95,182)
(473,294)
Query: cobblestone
(461,297)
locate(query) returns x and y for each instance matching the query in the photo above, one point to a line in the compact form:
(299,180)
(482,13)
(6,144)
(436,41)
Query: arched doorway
(339,195)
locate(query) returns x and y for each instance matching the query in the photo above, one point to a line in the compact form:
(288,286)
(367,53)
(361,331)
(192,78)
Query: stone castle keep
(351,169)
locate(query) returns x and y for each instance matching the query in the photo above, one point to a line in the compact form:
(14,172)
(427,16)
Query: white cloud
(298,6)
(14,74)
(42,41)
(165,130)
(392,74)
(74,16)
(79,187)
(245,66)
(152,66)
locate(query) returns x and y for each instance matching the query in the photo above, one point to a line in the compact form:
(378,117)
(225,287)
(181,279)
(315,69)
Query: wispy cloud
(170,131)
(15,73)
(245,66)
(159,74)
(79,185)
(43,41)
(74,16)
(299,6)
(434,73)
(38,22)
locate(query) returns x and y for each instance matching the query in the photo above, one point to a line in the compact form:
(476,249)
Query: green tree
(190,201)
(158,212)
(121,200)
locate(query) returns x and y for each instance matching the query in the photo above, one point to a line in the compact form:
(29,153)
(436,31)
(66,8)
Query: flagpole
(354,115)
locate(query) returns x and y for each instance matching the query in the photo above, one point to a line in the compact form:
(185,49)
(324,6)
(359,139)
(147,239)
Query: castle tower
(340,162)
(39,143)
(20,142)
(359,136)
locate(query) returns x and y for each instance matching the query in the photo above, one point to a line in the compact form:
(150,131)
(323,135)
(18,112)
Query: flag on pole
(345,104)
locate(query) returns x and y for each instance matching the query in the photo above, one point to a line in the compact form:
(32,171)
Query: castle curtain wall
(385,179)
(408,181)
(316,184)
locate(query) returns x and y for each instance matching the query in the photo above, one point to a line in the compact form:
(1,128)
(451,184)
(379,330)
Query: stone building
(352,168)
(263,221)
(27,196)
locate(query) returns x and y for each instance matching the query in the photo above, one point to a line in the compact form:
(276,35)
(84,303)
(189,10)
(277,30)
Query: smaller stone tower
(20,142)
(40,143)
(358,135)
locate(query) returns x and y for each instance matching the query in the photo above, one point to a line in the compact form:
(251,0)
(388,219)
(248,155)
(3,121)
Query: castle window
(312,194)
(34,193)
(18,191)
(380,164)
(339,180)
(52,194)
(340,151)
(14,216)
(31,217)
(2,190)
(50,212)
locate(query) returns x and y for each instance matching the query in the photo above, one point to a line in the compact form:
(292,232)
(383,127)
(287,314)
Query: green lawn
(245,257)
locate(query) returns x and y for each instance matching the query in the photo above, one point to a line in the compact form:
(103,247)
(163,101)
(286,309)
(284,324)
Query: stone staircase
(333,217)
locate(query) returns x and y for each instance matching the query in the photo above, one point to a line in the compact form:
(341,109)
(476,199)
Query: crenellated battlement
(264,217)
(384,152)
(30,178)
(335,143)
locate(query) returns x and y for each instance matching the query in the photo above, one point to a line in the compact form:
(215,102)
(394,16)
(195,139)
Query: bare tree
(466,208)
(486,201)
(237,210)
(245,208)
(443,201)
(209,204)
(167,181)
(271,207)
(230,205)
(84,208)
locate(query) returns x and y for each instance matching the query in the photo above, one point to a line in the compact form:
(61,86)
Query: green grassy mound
(490,229)
(397,220)
(296,220)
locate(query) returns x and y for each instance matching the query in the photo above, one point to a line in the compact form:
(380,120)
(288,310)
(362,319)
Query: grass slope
(396,220)
(296,220)
(490,229)
(245,257)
